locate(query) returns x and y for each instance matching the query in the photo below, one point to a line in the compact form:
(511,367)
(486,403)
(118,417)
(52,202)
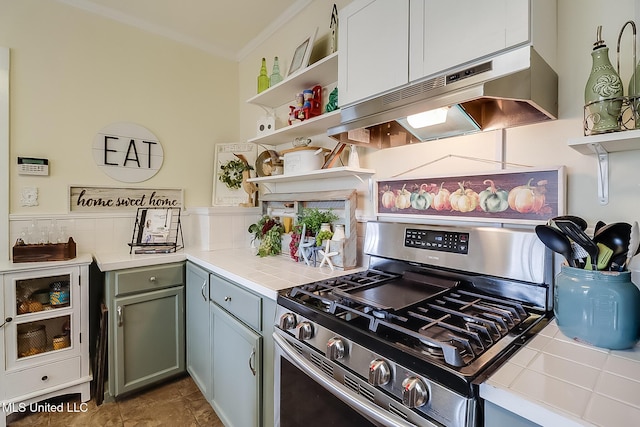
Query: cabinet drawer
(148,278)
(241,303)
(42,377)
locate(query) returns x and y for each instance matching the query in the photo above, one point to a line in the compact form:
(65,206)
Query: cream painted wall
(4,149)
(73,72)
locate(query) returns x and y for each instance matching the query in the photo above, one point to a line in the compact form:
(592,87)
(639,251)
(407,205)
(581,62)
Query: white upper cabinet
(386,44)
(446,33)
(373,38)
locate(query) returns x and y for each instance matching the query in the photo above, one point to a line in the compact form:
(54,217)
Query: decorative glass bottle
(263,78)
(603,92)
(275,77)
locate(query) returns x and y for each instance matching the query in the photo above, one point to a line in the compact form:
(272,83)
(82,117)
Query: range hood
(512,89)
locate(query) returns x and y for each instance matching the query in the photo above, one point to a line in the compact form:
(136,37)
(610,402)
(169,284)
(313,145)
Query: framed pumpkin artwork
(528,196)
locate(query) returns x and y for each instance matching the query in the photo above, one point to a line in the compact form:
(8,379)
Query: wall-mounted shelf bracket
(603,172)
(601,145)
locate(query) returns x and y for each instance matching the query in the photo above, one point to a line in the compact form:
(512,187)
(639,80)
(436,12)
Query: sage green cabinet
(230,347)
(495,415)
(146,326)
(198,330)
(237,370)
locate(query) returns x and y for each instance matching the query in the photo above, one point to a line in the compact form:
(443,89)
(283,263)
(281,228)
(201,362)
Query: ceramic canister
(601,308)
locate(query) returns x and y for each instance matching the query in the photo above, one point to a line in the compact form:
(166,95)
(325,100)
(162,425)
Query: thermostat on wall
(33,166)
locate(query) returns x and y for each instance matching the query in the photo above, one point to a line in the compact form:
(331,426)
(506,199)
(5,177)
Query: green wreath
(231,173)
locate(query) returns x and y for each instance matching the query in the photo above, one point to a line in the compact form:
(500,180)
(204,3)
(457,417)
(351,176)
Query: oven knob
(414,392)
(379,372)
(287,321)
(336,348)
(305,331)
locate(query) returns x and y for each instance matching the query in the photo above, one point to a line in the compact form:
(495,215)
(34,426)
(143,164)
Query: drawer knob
(44,378)
(152,278)
(227,298)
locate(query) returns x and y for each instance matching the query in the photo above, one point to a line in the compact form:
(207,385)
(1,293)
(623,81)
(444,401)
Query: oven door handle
(358,403)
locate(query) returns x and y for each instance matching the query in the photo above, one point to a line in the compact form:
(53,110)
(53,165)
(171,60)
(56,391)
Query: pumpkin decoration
(421,198)
(440,201)
(464,199)
(403,198)
(388,198)
(528,198)
(493,199)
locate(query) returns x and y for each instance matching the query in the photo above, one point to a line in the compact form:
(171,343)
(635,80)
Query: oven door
(307,396)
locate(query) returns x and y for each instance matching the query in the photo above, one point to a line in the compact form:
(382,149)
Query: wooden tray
(45,252)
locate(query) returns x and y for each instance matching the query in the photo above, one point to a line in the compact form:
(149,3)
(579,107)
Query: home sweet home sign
(110,199)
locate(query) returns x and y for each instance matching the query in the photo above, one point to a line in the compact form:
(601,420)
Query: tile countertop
(265,276)
(556,381)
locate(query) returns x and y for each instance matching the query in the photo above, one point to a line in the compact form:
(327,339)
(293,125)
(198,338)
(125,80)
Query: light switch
(29,196)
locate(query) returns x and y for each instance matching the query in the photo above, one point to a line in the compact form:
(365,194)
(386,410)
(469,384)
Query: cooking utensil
(598,226)
(604,256)
(575,219)
(616,236)
(575,233)
(579,254)
(556,241)
(617,263)
(634,243)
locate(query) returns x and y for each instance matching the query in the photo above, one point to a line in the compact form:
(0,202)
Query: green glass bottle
(275,77)
(263,78)
(603,91)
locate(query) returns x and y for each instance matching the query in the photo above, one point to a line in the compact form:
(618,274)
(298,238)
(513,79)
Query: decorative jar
(603,91)
(600,308)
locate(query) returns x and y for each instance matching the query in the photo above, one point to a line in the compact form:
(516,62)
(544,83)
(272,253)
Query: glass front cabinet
(46,350)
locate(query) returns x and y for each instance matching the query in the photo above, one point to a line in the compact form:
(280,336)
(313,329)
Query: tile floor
(174,403)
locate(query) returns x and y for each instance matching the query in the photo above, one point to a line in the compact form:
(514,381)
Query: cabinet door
(237,370)
(446,33)
(374,54)
(198,332)
(148,338)
(45,309)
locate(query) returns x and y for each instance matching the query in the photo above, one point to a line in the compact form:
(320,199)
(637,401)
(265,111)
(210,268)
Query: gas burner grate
(456,327)
(444,320)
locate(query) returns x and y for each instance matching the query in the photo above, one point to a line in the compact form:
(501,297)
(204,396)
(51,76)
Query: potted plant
(268,231)
(312,219)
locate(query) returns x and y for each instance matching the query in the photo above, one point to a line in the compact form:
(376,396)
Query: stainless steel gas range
(406,342)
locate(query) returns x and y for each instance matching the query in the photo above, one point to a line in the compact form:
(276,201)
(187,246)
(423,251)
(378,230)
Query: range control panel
(444,241)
